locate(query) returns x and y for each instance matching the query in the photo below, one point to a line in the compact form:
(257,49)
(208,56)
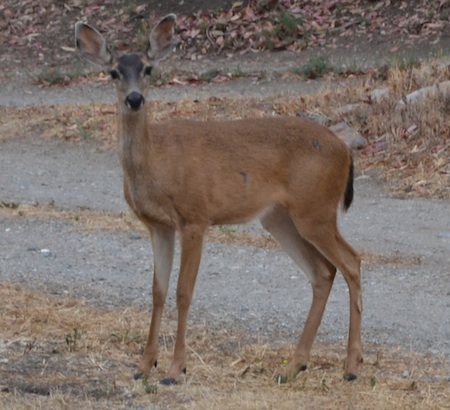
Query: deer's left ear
(91,44)
(162,39)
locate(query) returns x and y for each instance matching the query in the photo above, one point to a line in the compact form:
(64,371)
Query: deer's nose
(134,100)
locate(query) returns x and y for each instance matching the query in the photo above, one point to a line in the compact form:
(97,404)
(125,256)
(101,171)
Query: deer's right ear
(92,45)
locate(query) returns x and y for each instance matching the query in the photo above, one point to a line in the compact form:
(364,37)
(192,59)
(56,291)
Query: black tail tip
(348,197)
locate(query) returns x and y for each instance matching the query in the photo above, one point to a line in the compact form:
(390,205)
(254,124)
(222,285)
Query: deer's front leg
(163,239)
(191,251)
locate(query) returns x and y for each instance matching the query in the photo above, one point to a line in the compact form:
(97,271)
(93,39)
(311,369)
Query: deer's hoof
(168,381)
(138,376)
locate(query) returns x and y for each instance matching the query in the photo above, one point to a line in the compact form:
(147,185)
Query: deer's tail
(348,196)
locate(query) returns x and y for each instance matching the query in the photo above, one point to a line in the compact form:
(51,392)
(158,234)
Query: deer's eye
(114,74)
(148,70)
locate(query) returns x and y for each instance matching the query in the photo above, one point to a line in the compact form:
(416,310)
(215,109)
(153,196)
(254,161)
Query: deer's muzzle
(134,101)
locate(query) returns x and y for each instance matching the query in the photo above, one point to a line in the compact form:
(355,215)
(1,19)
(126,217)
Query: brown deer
(185,176)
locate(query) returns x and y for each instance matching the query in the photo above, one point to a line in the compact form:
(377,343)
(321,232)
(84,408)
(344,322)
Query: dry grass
(61,353)
(411,145)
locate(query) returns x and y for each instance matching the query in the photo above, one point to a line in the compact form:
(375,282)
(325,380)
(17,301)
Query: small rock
(313,117)
(444,64)
(406,374)
(349,108)
(349,135)
(379,94)
(411,132)
(426,92)
(46,252)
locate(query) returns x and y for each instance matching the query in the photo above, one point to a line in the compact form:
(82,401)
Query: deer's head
(130,72)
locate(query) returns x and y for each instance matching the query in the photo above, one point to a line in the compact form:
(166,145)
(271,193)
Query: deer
(181,177)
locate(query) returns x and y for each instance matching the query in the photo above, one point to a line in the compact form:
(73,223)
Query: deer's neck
(134,138)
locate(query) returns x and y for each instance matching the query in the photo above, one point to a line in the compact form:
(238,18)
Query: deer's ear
(92,45)
(162,39)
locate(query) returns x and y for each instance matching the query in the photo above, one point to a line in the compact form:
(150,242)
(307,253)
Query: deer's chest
(146,197)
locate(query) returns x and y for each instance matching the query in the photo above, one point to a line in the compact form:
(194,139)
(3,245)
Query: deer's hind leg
(323,233)
(320,273)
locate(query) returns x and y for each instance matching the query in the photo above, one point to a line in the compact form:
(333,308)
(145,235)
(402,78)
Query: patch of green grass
(210,74)
(239,73)
(226,229)
(316,67)
(51,76)
(8,205)
(126,337)
(149,388)
(72,339)
(406,62)
(287,25)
